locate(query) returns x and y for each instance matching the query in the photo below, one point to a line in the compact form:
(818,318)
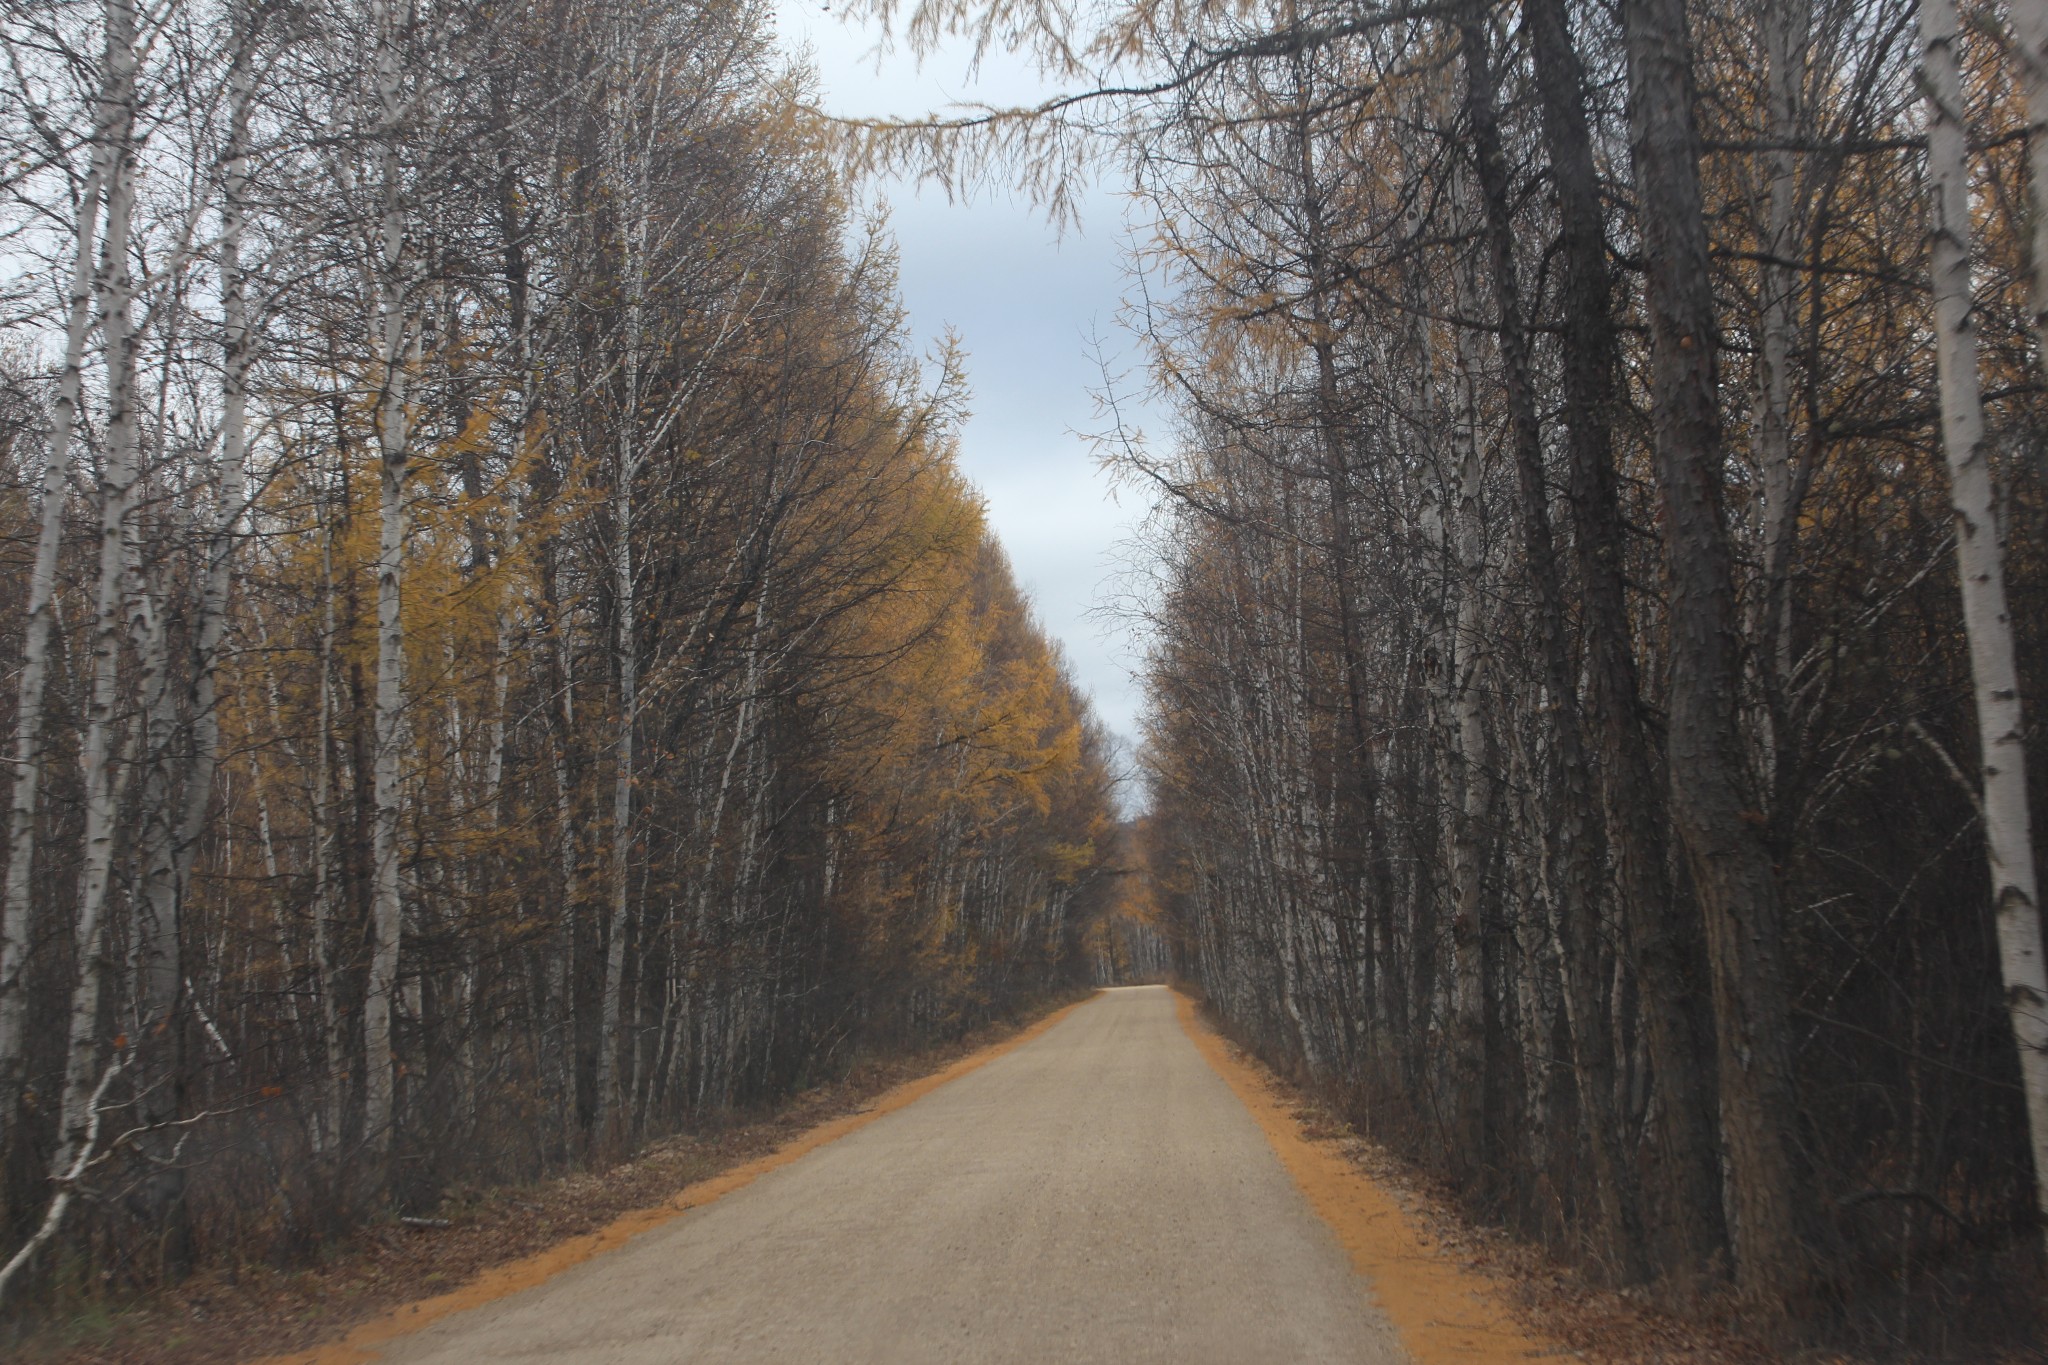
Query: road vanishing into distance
(1096,1194)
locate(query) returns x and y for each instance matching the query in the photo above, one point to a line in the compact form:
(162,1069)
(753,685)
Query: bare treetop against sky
(1028,306)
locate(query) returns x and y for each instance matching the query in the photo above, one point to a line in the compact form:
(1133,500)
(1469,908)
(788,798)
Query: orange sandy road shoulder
(1446,1314)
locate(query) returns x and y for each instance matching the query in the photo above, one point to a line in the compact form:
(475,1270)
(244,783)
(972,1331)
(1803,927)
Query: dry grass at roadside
(237,1313)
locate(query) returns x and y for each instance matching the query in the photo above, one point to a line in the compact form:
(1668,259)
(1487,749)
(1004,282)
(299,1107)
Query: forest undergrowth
(1998,1320)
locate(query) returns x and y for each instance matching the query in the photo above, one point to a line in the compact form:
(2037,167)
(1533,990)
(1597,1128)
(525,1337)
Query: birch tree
(27,778)
(395,354)
(114,606)
(1987,622)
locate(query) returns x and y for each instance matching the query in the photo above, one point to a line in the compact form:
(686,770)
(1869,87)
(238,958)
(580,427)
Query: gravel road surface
(1098,1194)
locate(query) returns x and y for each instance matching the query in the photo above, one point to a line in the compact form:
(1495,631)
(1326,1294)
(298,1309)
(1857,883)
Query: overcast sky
(1026,304)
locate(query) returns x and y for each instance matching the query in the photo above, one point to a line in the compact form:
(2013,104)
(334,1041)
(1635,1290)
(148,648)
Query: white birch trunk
(116,495)
(1993,673)
(393,448)
(626,659)
(66,1181)
(1468,701)
(16,905)
(154,929)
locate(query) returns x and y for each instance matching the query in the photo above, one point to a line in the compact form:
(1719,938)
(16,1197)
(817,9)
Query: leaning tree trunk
(1711,805)
(2008,838)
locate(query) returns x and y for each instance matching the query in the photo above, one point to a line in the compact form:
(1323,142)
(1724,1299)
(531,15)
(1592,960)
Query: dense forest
(1599,569)
(504,664)
(501,661)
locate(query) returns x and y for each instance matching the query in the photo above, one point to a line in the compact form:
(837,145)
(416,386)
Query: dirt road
(1098,1194)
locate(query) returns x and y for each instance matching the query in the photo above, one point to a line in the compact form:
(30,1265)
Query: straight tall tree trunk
(326,882)
(609,1100)
(394,345)
(1663,945)
(561,967)
(1472,1056)
(1713,810)
(1786,26)
(1580,889)
(77,1120)
(628,170)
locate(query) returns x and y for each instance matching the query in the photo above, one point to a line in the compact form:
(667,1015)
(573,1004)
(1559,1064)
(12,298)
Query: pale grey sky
(1026,303)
